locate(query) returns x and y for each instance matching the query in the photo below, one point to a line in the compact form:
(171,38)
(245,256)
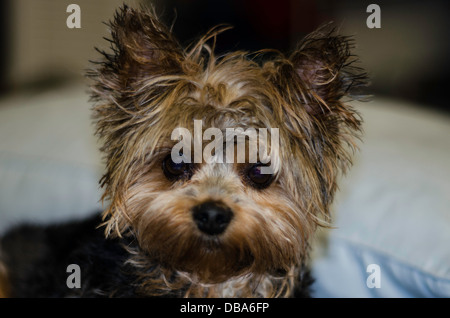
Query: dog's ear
(326,72)
(142,48)
(315,83)
(127,87)
(319,73)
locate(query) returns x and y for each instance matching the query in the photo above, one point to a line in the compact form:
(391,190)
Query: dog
(179,224)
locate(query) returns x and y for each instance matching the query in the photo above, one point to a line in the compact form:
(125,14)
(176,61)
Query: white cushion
(393,209)
(49,162)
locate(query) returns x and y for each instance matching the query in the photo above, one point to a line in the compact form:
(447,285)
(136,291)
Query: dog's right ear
(126,87)
(143,48)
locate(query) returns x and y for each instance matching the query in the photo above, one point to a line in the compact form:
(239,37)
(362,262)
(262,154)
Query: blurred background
(406,57)
(392,208)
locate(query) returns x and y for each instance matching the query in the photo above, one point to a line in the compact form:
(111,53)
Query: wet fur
(146,86)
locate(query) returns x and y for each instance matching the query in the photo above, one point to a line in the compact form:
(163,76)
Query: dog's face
(204,215)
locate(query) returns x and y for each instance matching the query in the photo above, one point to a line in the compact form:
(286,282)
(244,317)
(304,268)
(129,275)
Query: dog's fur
(143,89)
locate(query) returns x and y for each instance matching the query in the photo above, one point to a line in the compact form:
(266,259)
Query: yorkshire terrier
(182,225)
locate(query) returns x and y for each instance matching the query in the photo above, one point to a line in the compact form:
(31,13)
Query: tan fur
(149,86)
(4,288)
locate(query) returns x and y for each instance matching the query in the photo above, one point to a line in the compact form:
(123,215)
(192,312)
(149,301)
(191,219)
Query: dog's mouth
(244,247)
(212,244)
(209,258)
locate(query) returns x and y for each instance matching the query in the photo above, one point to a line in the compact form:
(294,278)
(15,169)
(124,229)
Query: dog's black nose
(212,217)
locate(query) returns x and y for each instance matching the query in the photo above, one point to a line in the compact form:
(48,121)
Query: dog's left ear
(319,73)
(315,83)
(324,66)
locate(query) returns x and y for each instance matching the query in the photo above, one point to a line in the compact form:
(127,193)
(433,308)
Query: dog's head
(174,177)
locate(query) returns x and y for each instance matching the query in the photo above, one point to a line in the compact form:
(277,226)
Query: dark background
(407,58)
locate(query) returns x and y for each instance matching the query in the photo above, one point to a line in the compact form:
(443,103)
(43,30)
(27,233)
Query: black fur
(37,259)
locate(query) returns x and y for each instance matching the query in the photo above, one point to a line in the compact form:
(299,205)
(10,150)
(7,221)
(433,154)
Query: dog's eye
(175,171)
(258,179)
